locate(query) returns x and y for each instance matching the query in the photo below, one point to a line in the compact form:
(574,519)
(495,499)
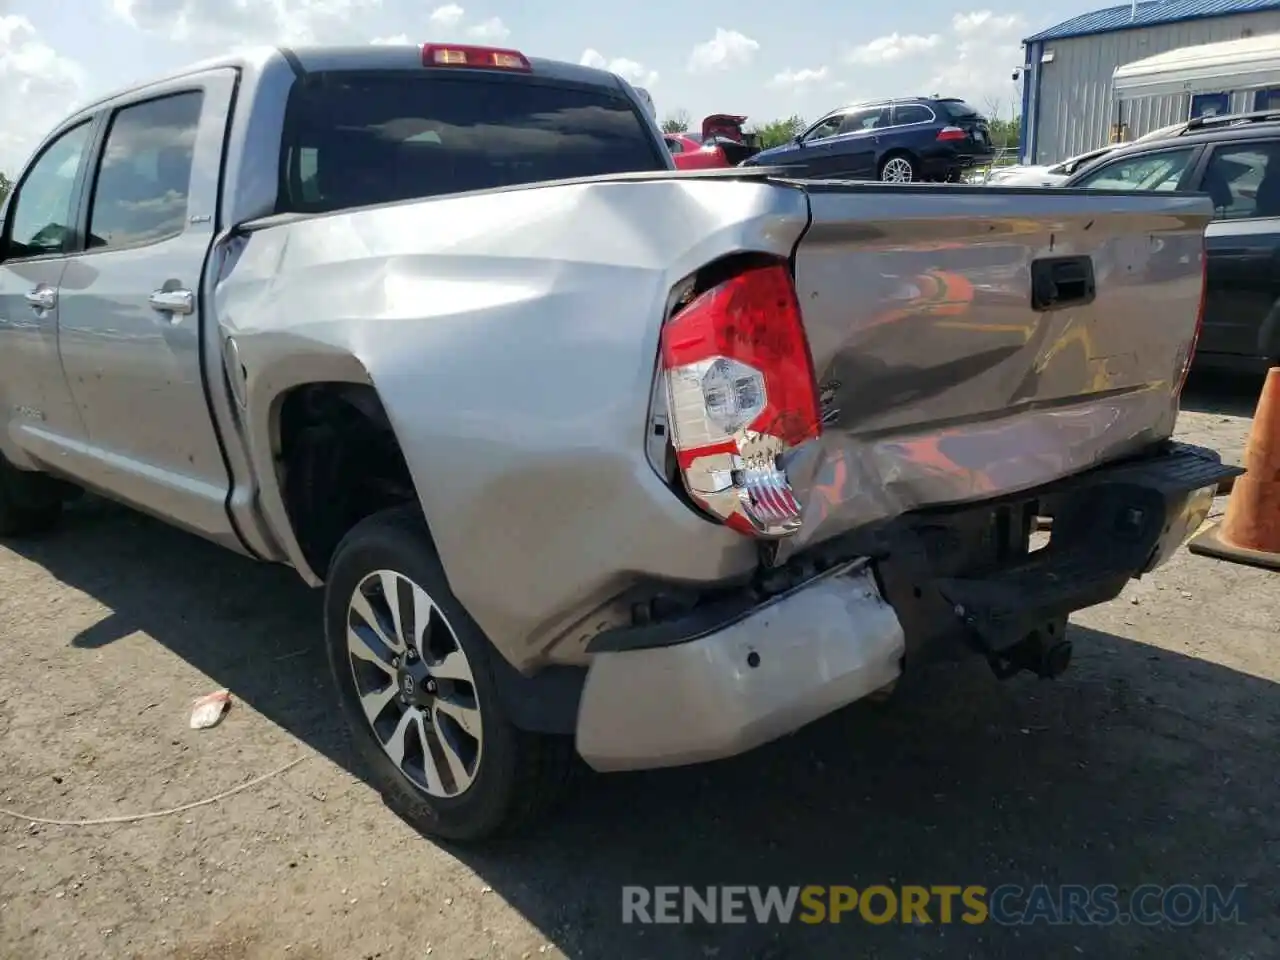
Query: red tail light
(1195,337)
(952,133)
(484,58)
(740,393)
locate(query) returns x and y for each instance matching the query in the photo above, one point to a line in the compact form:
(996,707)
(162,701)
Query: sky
(713,56)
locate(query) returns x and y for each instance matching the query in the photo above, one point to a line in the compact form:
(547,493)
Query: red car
(721,144)
(690,154)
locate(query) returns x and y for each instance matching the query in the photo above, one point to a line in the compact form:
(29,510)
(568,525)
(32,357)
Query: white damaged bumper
(782,666)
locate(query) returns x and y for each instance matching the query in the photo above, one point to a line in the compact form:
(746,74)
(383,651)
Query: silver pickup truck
(590,457)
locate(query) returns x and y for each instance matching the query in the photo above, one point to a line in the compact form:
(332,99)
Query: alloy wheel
(415,683)
(897,170)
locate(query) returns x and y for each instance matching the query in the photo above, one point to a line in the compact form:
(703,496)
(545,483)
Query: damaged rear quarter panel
(512,338)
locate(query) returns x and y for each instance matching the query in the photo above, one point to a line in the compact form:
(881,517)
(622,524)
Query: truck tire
(30,503)
(424,715)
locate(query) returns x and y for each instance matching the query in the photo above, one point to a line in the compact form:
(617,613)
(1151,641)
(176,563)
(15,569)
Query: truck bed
(512,336)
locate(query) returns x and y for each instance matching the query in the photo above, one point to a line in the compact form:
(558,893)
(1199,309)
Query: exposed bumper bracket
(1112,526)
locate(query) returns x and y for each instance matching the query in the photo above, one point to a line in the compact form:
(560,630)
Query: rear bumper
(949,159)
(769,673)
(737,673)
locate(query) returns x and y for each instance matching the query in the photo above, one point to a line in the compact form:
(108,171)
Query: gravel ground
(1152,761)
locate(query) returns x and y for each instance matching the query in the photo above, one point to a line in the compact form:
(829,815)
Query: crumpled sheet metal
(844,481)
(941,385)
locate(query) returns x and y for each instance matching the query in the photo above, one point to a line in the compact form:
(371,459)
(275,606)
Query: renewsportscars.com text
(1006,905)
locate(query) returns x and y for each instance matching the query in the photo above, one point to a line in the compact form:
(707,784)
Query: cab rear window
(358,139)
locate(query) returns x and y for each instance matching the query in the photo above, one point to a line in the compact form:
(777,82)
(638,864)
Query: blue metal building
(1068,105)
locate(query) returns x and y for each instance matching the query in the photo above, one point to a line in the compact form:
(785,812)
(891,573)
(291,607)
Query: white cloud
(400,39)
(38,87)
(726,50)
(492,29)
(450,15)
(984,21)
(636,74)
(450,23)
(986,48)
(894,47)
(973,58)
(220,23)
(799,78)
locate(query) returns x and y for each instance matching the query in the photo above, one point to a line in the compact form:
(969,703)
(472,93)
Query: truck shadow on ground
(1229,395)
(1138,766)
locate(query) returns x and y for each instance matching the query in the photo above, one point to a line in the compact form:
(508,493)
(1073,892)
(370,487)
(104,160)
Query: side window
(140,192)
(824,128)
(862,120)
(912,113)
(1150,171)
(1244,180)
(43,206)
(675,146)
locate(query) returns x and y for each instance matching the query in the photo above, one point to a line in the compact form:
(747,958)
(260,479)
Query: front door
(131,307)
(813,156)
(39,415)
(859,144)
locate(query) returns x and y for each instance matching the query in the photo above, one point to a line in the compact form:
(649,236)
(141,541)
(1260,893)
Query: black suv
(911,138)
(1236,161)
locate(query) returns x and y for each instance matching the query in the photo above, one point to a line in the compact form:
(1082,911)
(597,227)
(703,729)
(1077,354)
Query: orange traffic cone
(1250,532)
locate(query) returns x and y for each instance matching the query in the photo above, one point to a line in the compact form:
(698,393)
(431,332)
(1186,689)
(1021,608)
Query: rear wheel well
(339,461)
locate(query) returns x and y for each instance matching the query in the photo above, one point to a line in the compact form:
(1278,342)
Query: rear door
(130,321)
(1243,179)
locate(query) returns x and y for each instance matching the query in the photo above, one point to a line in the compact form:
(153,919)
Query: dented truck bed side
(515,356)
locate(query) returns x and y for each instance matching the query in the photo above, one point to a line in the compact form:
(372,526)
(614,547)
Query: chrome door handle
(43,297)
(173,301)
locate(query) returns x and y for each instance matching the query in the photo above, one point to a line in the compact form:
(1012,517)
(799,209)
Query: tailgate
(943,383)
(977,132)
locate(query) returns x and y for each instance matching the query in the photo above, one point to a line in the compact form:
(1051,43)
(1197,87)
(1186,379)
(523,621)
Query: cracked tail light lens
(740,393)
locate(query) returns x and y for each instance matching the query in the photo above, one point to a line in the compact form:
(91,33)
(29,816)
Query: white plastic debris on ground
(209,710)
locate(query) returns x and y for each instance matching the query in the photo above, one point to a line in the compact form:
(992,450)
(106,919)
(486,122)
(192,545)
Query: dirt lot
(1152,761)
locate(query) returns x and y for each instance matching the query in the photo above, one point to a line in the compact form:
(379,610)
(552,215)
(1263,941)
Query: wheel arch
(545,702)
(286,400)
(893,152)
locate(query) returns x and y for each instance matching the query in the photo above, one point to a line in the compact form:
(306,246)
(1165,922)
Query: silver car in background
(1056,174)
